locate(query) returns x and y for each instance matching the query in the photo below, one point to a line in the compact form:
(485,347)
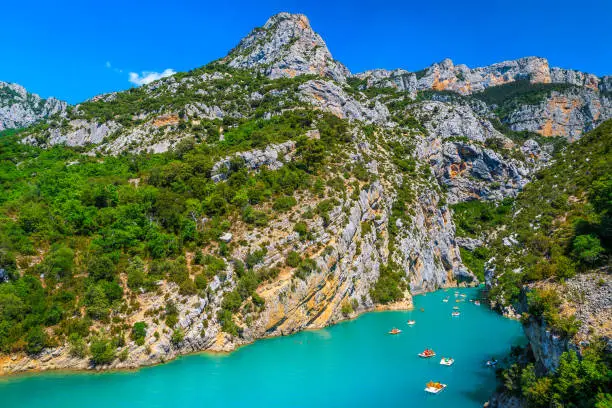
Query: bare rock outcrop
(330,97)
(19,108)
(568,113)
(286,46)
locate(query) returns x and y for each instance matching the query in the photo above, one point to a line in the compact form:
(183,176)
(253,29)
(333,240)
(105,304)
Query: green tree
(136,274)
(587,249)
(101,268)
(97,303)
(102,351)
(177,337)
(293,259)
(139,332)
(36,340)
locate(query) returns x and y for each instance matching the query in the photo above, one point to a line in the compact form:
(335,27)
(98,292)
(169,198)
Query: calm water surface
(352,364)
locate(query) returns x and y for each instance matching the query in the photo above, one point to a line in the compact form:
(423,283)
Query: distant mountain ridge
(460,78)
(20,108)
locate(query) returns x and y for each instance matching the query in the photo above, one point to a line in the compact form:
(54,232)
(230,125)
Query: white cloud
(146,77)
(108,64)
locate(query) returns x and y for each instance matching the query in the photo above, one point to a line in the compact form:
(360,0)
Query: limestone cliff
(348,248)
(567,113)
(19,108)
(286,46)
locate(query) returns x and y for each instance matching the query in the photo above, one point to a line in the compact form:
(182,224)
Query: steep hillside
(19,108)
(547,257)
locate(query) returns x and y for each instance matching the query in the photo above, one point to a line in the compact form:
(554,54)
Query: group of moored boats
(434,387)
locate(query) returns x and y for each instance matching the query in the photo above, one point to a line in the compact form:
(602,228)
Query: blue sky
(74,50)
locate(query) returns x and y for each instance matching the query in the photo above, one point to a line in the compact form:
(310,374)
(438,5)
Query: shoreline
(111,370)
(400,306)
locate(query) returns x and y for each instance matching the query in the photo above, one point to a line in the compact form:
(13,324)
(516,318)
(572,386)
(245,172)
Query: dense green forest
(72,225)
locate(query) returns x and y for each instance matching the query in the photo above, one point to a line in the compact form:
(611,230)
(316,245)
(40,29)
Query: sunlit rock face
(19,108)
(286,46)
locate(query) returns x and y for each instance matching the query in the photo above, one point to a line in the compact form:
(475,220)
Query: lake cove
(352,364)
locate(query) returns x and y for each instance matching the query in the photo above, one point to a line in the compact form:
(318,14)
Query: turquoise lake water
(352,364)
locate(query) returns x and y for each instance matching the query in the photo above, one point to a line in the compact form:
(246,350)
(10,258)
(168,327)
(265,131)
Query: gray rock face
(589,298)
(81,133)
(452,120)
(19,108)
(460,78)
(273,157)
(573,77)
(469,243)
(328,96)
(605,85)
(472,172)
(546,346)
(455,148)
(427,248)
(568,113)
(399,79)
(286,46)
(505,400)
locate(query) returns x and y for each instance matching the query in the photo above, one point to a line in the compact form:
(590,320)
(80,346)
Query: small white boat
(455,307)
(447,361)
(477,302)
(411,322)
(434,387)
(463,295)
(455,314)
(445,300)
(395,331)
(491,363)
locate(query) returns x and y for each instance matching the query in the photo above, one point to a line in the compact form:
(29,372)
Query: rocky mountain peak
(286,46)
(19,108)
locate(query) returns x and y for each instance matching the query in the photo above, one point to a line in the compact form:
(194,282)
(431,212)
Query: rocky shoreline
(59,359)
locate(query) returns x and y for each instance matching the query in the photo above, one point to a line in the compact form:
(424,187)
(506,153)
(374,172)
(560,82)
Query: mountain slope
(19,108)
(550,261)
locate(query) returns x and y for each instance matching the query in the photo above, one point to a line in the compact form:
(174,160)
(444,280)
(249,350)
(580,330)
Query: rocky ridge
(568,113)
(19,108)
(446,76)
